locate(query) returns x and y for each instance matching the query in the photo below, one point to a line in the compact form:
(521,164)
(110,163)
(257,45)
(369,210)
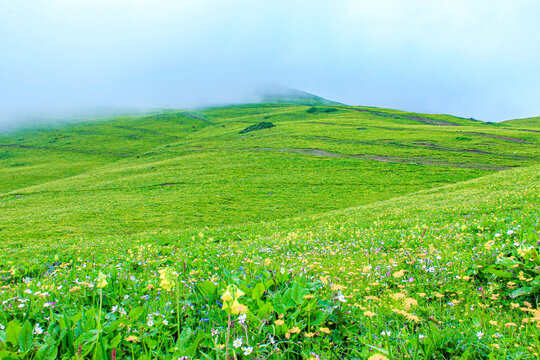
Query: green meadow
(292,229)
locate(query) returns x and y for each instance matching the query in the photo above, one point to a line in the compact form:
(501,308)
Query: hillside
(187,169)
(528,123)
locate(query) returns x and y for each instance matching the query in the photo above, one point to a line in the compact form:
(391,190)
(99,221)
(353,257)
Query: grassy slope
(529,123)
(170,171)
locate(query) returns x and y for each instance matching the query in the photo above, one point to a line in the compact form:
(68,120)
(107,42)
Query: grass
(356,233)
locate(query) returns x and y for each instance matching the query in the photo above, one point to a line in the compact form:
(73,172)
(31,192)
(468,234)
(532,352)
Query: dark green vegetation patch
(255,127)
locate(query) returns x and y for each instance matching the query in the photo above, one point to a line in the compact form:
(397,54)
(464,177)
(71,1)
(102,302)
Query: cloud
(466,58)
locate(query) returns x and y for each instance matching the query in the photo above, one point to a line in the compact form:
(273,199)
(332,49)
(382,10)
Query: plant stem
(228,336)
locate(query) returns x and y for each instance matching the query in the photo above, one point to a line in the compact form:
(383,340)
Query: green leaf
(183,339)
(526,290)
(135,313)
(12,332)
(47,352)
(258,291)
(193,348)
(26,337)
(297,293)
(151,343)
(207,288)
(264,309)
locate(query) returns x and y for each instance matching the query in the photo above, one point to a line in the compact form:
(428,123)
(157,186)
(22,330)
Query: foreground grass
(446,273)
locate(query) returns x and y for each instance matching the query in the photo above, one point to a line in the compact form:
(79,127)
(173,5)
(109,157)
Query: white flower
(247,350)
(27,291)
(150,322)
(122,312)
(510,232)
(114,308)
(386,333)
(2,327)
(237,343)
(422,336)
(341,298)
(165,322)
(497,235)
(242,319)
(479,335)
(38,330)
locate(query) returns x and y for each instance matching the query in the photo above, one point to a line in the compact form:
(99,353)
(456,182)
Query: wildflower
(324,330)
(336,287)
(378,357)
(242,319)
(294,330)
(38,330)
(237,342)
(479,335)
(341,298)
(247,350)
(132,339)
(386,333)
(166,277)
(399,274)
(369,314)
(230,300)
(101,280)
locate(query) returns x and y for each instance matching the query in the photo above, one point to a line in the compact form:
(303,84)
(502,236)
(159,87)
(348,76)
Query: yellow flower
(167,277)
(279,322)
(226,296)
(378,357)
(369,314)
(294,330)
(101,280)
(324,330)
(230,300)
(399,274)
(132,338)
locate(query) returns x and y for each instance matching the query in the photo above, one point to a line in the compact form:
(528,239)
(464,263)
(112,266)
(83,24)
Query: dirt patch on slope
(422,119)
(500,137)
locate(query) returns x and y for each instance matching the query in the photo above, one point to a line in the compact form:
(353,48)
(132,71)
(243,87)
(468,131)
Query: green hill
(529,123)
(192,169)
(353,232)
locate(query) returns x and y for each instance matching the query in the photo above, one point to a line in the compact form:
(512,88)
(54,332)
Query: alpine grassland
(281,230)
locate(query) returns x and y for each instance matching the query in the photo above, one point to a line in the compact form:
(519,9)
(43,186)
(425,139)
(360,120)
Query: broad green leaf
(526,290)
(26,337)
(47,352)
(183,339)
(258,291)
(207,288)
(135,313)
(12,332)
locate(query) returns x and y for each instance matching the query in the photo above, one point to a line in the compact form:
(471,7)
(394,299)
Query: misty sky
(476,59)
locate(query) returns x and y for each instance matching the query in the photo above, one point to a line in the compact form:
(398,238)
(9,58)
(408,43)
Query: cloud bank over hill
(470,59)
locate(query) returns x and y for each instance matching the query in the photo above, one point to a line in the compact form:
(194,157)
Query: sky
(475,59)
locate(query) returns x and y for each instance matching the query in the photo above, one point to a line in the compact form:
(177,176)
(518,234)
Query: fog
(474,59)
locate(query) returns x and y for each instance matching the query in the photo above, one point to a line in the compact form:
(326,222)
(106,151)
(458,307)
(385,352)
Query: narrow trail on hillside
(390,158)
(423,120)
